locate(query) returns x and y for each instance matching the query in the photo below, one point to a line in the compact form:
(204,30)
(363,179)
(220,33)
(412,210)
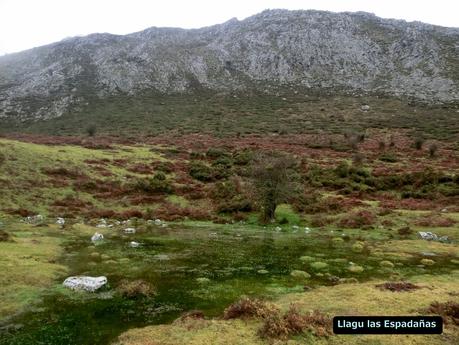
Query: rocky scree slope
(348,52)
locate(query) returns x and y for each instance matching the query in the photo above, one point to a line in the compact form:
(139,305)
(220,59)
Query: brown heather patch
(23,212)
(249,308)
(140,168)
(449,311)
(135,289)
(293,322)
(435,220)
(358,219)
(171,212)
(398,286)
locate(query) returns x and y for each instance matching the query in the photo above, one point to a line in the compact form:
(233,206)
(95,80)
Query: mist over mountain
(350,53)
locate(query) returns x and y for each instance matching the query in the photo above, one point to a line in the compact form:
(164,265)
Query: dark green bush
(214,152)
(200,171)
(243,157)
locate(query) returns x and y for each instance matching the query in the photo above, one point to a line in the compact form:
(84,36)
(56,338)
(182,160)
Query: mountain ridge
(347,52)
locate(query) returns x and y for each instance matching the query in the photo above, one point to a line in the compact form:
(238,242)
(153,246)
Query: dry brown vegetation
(398,286)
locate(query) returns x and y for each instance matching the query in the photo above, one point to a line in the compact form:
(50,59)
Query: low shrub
(448,310)
(237,204)
(135,289)
(4,236)
(214,152)
(433,148)
(293,323)
(398,286)
(358,219)
(405,231)
(249,308)
(435,220)
(200,171)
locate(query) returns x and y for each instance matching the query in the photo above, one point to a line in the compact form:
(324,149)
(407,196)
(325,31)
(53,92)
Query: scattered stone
(97,237)
(158,222)
(213,234)
(300,274)
(134,244)
(428,254)
(85,283)
(386,264)
(60,221)
(430,236)
(34,219)
(365,107)
(278,228)
(427,262)
(129,231)
(102,223)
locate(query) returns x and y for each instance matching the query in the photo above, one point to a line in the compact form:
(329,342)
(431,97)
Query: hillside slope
(353,53)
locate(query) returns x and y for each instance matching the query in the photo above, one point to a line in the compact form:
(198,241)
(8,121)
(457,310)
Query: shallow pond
(175,260)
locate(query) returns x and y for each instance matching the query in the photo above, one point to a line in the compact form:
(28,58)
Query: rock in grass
(129,231)
(134,244)
(319,265)
(355,269)
(85,283)
(262,271)
(427,262)
(300,274)
(386,264)
(97,237)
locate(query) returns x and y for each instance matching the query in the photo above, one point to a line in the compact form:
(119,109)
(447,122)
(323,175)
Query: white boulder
(134,244)
(158,222)
(60,221)
(85,283)
(97,237)
(129,231)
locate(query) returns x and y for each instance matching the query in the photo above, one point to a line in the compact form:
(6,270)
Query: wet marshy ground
(198,268)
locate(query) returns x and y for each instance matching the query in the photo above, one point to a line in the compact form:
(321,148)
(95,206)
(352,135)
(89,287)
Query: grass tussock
(448,310)
(293,322)
(249,308)
(136,289)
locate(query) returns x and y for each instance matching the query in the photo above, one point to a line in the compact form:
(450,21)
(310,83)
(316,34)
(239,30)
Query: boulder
(430,236)
(60,221)
(129,231)
(158,222)
(85,283)
(97,237)
(134,244)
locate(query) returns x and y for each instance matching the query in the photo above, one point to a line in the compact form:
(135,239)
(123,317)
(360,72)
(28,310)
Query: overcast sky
(29,23)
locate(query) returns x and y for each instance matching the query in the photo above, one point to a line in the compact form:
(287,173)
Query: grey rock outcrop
(350,52)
